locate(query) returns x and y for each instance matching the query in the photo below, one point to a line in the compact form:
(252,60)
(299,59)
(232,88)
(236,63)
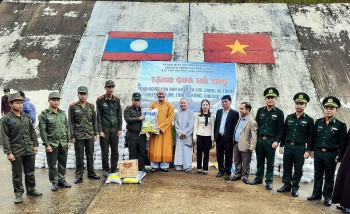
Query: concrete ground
(173,192)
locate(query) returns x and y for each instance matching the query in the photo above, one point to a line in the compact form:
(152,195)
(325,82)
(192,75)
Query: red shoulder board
(130,106)
(101,97)
(91,103)
(72,104)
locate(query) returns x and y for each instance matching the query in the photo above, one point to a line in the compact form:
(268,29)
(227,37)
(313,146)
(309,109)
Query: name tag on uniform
(12,123)
(290,121)
(334,129)
(274,116)
(105,104)
(303,122)
(77,110)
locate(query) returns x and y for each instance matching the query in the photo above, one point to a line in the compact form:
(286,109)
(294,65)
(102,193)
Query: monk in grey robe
(184,123)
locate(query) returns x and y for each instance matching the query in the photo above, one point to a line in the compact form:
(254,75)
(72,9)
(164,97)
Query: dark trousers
(25,163)
(57,156)
(264,150)
(224,151)
(111,139)
(137,148)
(325,165)
(242,162)
(293,156)
(79,146)
(203,147)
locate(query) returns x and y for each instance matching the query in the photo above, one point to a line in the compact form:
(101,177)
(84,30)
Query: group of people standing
(235,134)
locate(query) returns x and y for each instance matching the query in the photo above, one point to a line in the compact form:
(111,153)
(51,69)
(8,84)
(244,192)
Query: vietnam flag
(241,48)
(139,46)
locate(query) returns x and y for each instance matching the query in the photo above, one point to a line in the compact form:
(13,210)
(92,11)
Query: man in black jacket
(224,126)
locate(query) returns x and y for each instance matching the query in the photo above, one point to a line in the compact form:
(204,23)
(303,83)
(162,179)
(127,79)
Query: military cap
(109,83)
(15,96)
(54,95)
(301,97)
(331,101)
(83,89)
(6,90)
(271,92)
(136,96)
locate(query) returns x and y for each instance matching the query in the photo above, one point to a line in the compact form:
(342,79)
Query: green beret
(331,101)
(301,97)
(271,92)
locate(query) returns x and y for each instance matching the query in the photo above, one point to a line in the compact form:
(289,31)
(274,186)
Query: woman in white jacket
(203,135)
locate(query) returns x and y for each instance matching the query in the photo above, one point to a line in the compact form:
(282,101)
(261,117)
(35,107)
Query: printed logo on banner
(139,46)
(240,48)
(194,81)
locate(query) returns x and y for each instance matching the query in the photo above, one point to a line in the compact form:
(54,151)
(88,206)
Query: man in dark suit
(224,126)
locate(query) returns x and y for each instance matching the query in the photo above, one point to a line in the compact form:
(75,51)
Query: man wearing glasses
(83,128)
(270,128)
(109,124)
(55,134)
(328,146)
(297,134)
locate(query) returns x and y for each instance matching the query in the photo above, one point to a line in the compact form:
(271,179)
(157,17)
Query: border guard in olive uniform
(136,141)
(297,134)
(83,127)
(109,124)
(20,143)
(270,129)
(55,134)
(328,147)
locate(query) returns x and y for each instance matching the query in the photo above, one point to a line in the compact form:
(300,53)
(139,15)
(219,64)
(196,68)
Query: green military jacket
(109,113)
(297,129)
(82,121)
(331,136)
(270,123)
(54,128)
(131,116)
(18,135)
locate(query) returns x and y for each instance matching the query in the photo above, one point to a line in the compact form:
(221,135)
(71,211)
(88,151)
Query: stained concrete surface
(173,192)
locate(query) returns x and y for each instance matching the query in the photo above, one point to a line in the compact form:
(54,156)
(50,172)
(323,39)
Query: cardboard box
(128,168)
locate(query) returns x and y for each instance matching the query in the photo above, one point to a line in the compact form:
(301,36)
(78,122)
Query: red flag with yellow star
(241,48)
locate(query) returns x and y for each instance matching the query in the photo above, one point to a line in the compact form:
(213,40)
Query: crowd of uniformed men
(235,134)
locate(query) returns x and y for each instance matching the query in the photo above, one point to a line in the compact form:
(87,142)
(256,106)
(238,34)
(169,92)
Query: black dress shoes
(284,189)
(94,176)
(328,202)
(255,182)
(246,181)
(220,174)
(78,180)
(295,193)
(54,187)
(227,178)
(269,186)
(314,197)
(64,184)
(235,178)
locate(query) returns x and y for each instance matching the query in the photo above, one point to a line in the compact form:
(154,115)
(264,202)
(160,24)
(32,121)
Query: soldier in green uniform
(55,134)
(83,127)
(270,129)
(136,141)
(20,143)
(328,147)
(297,134)
(109,124)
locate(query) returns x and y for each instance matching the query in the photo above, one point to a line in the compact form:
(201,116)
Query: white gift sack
(305,180)
(98,162)
(70,166)
(70,162)
(308,168)
(309,175)
(97,166)
(126,157)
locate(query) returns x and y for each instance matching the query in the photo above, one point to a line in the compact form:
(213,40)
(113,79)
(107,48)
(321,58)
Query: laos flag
(154,46)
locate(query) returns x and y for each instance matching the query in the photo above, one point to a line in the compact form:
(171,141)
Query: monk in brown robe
(161,145)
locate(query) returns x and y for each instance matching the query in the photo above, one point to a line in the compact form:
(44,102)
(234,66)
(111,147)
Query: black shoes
(78,180)
(153,170)
(295,193)
(255,182)
(314,197)
(246,181)
(235,178)
(94,176)
(220,174)
(164,170)
(269,186)
(227,177)
(105,173)
(328,202)
(54,187)
(284,189)
(64,184)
